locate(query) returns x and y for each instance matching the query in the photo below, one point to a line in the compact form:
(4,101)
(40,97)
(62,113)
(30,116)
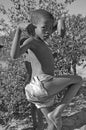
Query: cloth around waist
(44,77)
(36,87)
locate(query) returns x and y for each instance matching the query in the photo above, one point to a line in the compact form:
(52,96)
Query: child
(43,85)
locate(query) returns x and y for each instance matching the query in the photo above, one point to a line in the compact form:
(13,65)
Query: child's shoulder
(35,40)
(27,39)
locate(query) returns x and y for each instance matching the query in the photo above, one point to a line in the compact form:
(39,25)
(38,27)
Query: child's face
(44,29)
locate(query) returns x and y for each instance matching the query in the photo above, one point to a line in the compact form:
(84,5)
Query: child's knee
(78,82)
(77,79)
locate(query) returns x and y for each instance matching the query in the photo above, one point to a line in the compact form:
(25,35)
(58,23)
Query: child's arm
(60,27)
(16,49)
(16,44)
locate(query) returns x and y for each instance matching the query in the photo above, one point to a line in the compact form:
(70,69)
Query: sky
(77,7)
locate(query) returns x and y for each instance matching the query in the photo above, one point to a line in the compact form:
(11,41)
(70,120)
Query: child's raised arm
(16,50)
(60,27)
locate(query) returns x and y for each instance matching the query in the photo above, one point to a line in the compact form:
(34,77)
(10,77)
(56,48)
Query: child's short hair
(40,13)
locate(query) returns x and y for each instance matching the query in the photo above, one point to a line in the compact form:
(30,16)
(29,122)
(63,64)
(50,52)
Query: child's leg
(45,112)
(33,113)
(36,125)
(61,82)
(40,125)
(74,85)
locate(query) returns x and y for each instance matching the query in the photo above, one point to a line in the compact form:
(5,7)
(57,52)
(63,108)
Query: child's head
(39,14)
(43,22)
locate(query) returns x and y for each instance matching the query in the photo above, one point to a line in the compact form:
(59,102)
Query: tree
(20,9)
(70,49)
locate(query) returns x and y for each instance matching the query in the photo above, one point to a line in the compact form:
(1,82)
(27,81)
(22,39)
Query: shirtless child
(43,85)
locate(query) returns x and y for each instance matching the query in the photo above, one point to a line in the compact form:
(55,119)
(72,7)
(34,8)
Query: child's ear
(31,29)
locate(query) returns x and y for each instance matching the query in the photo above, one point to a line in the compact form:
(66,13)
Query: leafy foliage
(12,87)
(70,49)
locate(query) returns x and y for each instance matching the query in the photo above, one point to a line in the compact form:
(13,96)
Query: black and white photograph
(42,64)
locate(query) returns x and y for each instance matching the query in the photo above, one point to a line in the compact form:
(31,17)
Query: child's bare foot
(57,121)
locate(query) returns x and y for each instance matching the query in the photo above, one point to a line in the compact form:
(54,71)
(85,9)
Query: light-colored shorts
(37,94)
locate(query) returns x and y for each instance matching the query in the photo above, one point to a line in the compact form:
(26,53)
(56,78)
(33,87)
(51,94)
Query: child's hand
(22,26)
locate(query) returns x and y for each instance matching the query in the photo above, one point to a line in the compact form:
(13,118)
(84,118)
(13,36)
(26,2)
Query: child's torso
(41,59)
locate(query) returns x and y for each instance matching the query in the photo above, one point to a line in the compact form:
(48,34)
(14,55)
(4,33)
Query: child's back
(41,58)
